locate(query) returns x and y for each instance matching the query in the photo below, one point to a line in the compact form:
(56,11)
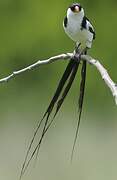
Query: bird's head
(75,9)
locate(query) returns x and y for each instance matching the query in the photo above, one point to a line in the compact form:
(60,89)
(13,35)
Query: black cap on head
(75,7)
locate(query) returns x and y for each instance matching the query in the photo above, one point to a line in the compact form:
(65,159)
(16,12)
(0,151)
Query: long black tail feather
(61,84)
(80,102)
(25,166)
(65,92)
(68,75)
(68,86)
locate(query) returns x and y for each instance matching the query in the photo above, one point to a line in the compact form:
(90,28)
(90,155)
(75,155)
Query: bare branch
(104,74)
(38,63)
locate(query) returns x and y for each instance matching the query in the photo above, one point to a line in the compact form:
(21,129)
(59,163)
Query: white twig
(105,76)
(67,56)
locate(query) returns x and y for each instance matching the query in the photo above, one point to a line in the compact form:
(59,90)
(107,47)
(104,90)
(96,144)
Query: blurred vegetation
(32,30)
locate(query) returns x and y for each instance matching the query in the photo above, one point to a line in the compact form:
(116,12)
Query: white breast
(76,33)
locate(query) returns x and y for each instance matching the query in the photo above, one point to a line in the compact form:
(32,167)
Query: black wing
(90,28)
(65,21)
(92,31)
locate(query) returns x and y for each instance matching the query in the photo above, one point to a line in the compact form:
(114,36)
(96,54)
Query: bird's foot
(77,54)
(76,57)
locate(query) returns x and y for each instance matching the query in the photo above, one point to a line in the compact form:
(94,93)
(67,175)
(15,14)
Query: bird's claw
(76,57)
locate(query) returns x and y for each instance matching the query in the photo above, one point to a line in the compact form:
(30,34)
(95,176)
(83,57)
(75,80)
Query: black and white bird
(80,30)
(78,27)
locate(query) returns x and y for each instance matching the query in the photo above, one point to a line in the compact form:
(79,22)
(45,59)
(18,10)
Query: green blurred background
(32,30)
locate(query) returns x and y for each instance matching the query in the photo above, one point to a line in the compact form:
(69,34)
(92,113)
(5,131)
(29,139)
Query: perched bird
(78,27)
(80,30)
